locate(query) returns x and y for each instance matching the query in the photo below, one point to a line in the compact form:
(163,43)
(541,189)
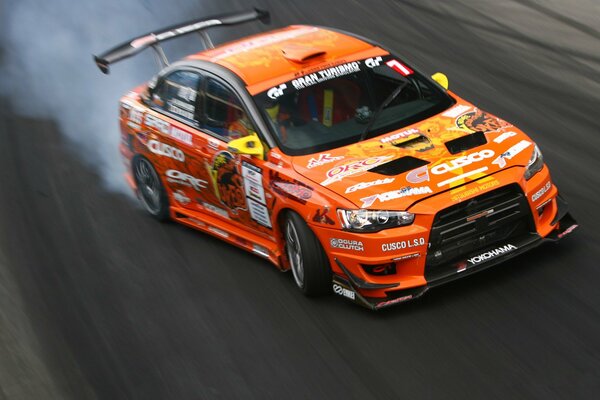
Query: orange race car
(326,154)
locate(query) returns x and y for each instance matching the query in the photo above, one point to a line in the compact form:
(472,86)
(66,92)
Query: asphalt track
(97,300)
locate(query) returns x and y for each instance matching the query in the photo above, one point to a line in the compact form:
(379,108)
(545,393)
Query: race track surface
(97,300)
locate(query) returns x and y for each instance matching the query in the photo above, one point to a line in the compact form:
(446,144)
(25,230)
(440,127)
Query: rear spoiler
(153,39)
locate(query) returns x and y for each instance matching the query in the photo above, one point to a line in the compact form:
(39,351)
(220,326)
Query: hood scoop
(467,142)
(418,143)
(398,166)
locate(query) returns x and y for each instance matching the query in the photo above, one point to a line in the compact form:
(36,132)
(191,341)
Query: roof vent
(301,54)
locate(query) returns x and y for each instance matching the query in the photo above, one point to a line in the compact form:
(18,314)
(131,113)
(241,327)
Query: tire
(150,189)
(309,264)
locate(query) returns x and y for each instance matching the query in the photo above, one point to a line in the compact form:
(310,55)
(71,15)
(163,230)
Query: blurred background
(98,301)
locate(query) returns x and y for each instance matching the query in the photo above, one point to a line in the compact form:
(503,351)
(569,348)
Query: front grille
(474,224)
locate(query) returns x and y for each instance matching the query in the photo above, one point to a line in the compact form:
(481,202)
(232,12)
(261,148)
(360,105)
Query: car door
(237,181)
(171,135)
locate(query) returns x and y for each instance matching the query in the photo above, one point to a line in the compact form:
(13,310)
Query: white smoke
(47,70)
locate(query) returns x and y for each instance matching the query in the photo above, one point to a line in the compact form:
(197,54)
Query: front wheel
(307,258)
(151,192)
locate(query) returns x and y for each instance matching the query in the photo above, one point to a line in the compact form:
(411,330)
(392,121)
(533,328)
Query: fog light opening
(380,269)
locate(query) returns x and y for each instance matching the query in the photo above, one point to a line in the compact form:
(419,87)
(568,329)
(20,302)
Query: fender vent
(464,143)
(399,166)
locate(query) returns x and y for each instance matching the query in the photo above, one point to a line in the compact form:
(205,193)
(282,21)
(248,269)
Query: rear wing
(153,39)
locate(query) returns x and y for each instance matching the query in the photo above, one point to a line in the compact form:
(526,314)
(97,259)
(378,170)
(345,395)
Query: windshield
(333,107)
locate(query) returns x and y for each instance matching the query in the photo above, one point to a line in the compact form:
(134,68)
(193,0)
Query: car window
(333,107)
(225,115)
(177,94)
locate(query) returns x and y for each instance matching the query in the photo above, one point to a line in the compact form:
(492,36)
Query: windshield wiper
(383,105)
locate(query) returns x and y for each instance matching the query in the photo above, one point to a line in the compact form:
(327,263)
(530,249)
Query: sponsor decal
(188,94)
(289,188)
(164,149)
(180,135)
(418,175)
(400,135)
(227,181)
(259,213)
(213,143)
(136,115)
(181,198)
(276,91)
(133,125)
(462,161)
(164,127)
(395,194)
(153,122)
(510,153)
(399,67)
(321,217)
(477,120)
(364,185)
(373,62)
(456,111)
(346,244)
(152,38)
(342,291)
(197,222)
(461,266)
(567,231)
(181,178)
(176,107)
(541,192)
(407,257)
(323,159)
(325,75)
(216,210)
(462,176)
(218,231)
(491,254)
(253,182)
(255,193)
(468,192)
(395,301)
(504,136)
(351,168)
(403,244)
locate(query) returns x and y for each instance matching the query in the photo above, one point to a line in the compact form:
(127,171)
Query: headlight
(373,220)
(535,163)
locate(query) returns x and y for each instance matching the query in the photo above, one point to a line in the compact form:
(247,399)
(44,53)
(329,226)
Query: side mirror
(441,79)
(250,145)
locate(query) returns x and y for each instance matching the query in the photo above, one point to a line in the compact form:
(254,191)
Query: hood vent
(399,166)
(464,143)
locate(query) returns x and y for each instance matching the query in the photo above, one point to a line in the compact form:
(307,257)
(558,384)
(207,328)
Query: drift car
(326,154)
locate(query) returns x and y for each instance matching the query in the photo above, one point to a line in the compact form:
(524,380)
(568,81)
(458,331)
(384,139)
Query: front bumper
(351,286)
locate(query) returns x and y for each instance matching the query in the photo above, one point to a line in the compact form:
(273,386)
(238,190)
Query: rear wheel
(151,192)
(308,261)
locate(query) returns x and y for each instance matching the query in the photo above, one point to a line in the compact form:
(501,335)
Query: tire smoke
(48,71)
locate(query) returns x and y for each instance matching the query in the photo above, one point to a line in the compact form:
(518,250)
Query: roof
(260,62)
